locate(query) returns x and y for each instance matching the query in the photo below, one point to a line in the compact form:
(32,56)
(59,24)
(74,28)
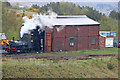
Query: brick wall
(82,38)
(102,41)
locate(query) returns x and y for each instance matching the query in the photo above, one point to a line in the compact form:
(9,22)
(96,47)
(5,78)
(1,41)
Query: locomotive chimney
(13,38)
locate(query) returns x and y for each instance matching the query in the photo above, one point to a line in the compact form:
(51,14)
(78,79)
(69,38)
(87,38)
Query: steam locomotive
(32,42)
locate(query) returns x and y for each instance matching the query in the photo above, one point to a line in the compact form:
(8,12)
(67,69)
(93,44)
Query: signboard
(109,42)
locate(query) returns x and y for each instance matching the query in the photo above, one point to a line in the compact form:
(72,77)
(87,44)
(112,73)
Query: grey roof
(73,16)
(73,20)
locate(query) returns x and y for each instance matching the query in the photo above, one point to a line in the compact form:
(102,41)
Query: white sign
(109,42)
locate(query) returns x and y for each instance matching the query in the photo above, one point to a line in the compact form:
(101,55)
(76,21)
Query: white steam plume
(38,20)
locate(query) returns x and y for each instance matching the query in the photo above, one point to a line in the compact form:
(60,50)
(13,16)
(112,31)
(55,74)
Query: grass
(0,69)
(92,51)
(73,68)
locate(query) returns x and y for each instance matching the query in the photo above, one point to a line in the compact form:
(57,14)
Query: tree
(35,6)
(10,23)
(113,14)
(108,24)
(7,4)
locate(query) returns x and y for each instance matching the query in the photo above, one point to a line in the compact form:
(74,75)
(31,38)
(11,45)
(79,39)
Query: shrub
(110,66)
(55,60)
(60,65)
(4,59)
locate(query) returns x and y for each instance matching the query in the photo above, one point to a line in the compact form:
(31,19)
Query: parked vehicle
(3,40)
(119,44)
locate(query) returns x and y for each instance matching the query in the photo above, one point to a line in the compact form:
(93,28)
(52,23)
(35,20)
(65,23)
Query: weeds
(55,60)
(60,65)
(83,68)
(110,66)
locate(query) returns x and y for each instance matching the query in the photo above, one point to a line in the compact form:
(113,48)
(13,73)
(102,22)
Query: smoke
(38,20)
(60,28)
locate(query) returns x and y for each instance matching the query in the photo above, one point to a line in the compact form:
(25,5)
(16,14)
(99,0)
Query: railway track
(62,57)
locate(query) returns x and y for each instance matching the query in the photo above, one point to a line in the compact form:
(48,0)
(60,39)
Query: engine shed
(69,33)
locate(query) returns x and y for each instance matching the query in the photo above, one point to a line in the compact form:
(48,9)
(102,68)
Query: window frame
(93,40)
(71,41)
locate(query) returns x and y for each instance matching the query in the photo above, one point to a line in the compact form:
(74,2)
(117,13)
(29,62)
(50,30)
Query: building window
(93,40)
(71,41)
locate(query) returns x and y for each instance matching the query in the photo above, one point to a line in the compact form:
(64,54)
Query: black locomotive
(33,42)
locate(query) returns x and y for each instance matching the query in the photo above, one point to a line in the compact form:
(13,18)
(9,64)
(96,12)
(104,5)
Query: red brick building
(72,33)
(102,41)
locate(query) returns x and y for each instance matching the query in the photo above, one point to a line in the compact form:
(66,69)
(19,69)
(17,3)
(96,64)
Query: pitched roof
(73,20)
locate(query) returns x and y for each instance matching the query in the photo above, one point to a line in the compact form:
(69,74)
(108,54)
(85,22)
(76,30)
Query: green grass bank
(104,67)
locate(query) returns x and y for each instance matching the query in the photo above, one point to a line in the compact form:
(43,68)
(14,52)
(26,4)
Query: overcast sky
(62,0)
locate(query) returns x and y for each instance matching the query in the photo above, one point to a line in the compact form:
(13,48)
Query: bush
(4,59)
(60,65)
(110,66)
(55,60)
